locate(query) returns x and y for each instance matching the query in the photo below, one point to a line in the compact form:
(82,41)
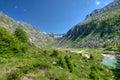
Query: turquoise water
(109,60)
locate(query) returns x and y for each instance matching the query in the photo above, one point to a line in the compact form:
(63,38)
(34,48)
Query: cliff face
(100,28)
(36,37)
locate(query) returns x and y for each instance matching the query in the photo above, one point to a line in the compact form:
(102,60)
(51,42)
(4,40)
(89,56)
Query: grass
(39,64)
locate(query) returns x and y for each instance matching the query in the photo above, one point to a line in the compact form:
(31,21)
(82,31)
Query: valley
(39,64)
(90,50)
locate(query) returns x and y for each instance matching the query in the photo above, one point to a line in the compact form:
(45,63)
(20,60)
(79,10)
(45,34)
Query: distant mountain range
(55,36)
(36,37)
(99,29)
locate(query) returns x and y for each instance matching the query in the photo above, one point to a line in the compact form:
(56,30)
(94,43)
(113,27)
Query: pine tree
(117,69)
(9,43)
(69,63)
(21,35)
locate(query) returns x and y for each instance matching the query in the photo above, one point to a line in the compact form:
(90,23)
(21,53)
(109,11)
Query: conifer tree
(117,69)
(21,35)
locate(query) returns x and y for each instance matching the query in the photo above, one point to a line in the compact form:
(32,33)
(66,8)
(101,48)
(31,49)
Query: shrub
(55,53)
(62,62)
(94,73)
(14,75)
(91,57)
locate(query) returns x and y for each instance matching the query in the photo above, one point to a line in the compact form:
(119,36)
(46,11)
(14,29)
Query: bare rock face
(36,37)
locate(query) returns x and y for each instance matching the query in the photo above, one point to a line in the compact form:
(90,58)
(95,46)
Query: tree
(69,63)
(21,34)
(9,43)
(117,69)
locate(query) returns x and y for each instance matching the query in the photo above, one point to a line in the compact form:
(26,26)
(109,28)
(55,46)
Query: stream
(109,60)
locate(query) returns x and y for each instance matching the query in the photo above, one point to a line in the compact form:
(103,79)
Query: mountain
(55,36)
(36,37)
(99,29)
(106,12)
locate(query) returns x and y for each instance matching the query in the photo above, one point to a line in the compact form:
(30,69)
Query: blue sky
(56,16)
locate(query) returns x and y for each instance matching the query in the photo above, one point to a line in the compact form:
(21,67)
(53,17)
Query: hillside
(28,54)
(100,28)
(19,61)
(36,37)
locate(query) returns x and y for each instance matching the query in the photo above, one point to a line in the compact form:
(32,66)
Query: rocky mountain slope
(35,36)
(55,36)
(100,28)
(108,11)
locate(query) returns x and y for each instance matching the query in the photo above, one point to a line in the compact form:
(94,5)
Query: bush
(94,73)
(14,75)
(62,62)
(91,57)
(55,53)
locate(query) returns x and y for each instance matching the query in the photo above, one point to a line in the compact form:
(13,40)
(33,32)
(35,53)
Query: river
(109,60)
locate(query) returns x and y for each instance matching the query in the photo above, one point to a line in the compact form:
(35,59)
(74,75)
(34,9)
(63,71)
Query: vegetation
(69,63)
(95,33)
(21,35)
(20,61)
(40,64)
(9,43)
(117,69)
(36,37)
